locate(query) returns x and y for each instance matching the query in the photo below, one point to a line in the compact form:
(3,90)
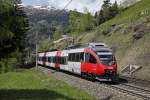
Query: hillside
(128,34)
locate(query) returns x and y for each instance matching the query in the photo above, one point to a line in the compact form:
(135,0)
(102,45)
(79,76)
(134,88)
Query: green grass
(131,15)
(34,85)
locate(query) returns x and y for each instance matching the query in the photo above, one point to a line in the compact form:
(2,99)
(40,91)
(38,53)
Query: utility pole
(36,49)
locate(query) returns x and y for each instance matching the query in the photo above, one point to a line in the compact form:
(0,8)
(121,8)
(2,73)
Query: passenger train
(93,60)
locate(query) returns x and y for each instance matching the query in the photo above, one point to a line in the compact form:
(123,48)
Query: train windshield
(106,59)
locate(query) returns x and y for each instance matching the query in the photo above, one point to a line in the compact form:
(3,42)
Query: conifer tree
(114,9)
(101,18)
(14,24)
(107,12)
(106,9)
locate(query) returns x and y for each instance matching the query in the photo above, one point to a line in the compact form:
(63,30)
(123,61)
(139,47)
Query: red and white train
(94,60)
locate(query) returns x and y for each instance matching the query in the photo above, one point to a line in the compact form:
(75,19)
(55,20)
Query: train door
(74,63)
(77,64)
(40,55)
(64,61)
(57,59)
(90,63)
(44,59)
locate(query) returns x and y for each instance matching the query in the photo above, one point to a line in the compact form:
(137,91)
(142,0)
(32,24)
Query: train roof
(102,49)
(90,45)
(97,47)
(93,45)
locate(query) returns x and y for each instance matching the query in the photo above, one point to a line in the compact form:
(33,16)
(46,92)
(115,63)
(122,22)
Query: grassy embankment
(34,85)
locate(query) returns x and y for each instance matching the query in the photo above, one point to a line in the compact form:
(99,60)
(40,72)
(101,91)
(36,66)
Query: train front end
(107,64)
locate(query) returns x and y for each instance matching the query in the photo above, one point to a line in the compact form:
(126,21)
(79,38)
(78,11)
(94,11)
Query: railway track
(139,82)
(137,87)
(130,89)
(133,90)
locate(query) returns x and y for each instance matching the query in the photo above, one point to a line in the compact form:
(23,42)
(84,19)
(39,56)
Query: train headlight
(109,71)
(111,63)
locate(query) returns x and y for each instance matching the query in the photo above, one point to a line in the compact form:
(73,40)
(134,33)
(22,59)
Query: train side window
(49,59)
(59,60)
(54,59)
(73,57)
(87,56)
(69,57)
(66,60)
(77,57)
(92,59)
(82,56)
(63,60)
(44,59)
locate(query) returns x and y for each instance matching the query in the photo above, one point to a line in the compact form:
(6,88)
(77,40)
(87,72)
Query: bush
(7,64)
(10,62)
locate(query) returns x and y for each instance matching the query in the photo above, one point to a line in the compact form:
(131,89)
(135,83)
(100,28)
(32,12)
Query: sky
(79,5)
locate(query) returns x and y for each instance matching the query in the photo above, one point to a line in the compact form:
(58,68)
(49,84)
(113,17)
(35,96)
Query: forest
(13,25)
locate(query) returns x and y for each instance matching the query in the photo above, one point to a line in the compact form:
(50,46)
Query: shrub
(7,64)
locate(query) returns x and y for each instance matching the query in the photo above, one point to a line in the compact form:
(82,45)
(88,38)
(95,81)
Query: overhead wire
(64,7)
(67,4)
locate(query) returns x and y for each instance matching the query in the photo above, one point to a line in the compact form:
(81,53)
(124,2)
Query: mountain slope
(129,35)
(45,23)
(51,15)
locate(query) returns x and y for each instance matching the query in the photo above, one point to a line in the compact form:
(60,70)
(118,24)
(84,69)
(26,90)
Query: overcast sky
(80,5)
